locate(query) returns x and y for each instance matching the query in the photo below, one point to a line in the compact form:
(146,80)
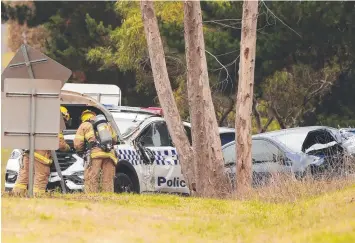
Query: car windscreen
(127,121)
(126,126)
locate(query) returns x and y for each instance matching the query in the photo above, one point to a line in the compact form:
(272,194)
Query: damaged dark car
(334,151)
(315,150)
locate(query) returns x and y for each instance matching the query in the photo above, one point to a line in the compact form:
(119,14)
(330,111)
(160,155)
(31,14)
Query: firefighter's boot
(20,187)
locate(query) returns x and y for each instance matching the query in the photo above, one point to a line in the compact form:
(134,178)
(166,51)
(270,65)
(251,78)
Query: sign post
(36,90)
(35,124)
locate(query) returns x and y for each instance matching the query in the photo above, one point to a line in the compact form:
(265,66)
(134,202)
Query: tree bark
(245,96)
(212,180)
(165,93)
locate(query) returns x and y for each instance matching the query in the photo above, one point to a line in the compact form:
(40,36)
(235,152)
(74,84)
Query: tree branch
(226,113)
(267,124)
(256,115)
(277,116)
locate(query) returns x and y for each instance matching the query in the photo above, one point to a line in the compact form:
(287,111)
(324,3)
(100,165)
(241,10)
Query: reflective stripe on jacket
(86,132)
(42,156)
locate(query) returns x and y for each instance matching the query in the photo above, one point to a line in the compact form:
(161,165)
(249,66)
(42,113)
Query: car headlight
(15,154)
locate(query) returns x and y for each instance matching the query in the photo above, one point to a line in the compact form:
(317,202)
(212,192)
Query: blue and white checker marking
(160,154)
(130,155)
(134,158)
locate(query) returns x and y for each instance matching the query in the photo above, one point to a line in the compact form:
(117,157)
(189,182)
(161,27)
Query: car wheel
(123,183)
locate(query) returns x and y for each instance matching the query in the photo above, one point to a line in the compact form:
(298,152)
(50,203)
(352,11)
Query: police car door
(166,169)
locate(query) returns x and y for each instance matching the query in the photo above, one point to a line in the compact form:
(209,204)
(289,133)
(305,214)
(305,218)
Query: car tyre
(123,183)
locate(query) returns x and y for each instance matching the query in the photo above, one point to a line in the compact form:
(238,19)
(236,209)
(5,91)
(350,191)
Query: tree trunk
(245,96)
(165,93)
(212,180)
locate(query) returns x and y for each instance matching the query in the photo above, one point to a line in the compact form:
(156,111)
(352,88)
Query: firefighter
(42,163)
(87,141)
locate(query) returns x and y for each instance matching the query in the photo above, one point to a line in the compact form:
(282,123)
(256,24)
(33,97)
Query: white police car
(152,152)
(148,162)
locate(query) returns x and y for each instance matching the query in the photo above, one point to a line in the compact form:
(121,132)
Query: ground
(162,218)
(327,217)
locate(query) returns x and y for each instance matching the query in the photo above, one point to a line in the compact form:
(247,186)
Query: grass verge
(5,154)
(162,218)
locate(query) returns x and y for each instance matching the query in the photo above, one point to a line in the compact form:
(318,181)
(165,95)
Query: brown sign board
(16,113)
(42,67)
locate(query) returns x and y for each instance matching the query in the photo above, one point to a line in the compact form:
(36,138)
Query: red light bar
(156,110)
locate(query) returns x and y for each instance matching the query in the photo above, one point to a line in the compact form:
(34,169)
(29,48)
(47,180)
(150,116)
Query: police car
(148,162)
(152,151)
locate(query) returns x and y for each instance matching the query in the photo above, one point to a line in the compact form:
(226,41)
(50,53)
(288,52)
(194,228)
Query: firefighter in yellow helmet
(87,140)
(42,165)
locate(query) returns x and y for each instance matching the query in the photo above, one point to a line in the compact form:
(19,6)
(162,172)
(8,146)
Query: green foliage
(299,44)
(301,87)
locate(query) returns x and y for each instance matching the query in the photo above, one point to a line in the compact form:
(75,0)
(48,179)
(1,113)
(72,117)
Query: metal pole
(57,167)
(27,61)
(32,143)
(24,37)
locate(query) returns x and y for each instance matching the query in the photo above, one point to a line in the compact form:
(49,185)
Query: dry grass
(288,189)
(329,217)
(285,211)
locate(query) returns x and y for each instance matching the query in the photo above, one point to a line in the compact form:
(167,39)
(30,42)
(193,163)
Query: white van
(104,93)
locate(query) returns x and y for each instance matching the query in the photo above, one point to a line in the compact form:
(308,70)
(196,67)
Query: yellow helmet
(86,115)
(65,113)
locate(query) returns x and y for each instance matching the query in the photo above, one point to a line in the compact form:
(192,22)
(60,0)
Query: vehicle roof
(120,114)
(294,130)
(122,111)
(92,88)
(130,109)
(226,129)
(220,129)
(290,130)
